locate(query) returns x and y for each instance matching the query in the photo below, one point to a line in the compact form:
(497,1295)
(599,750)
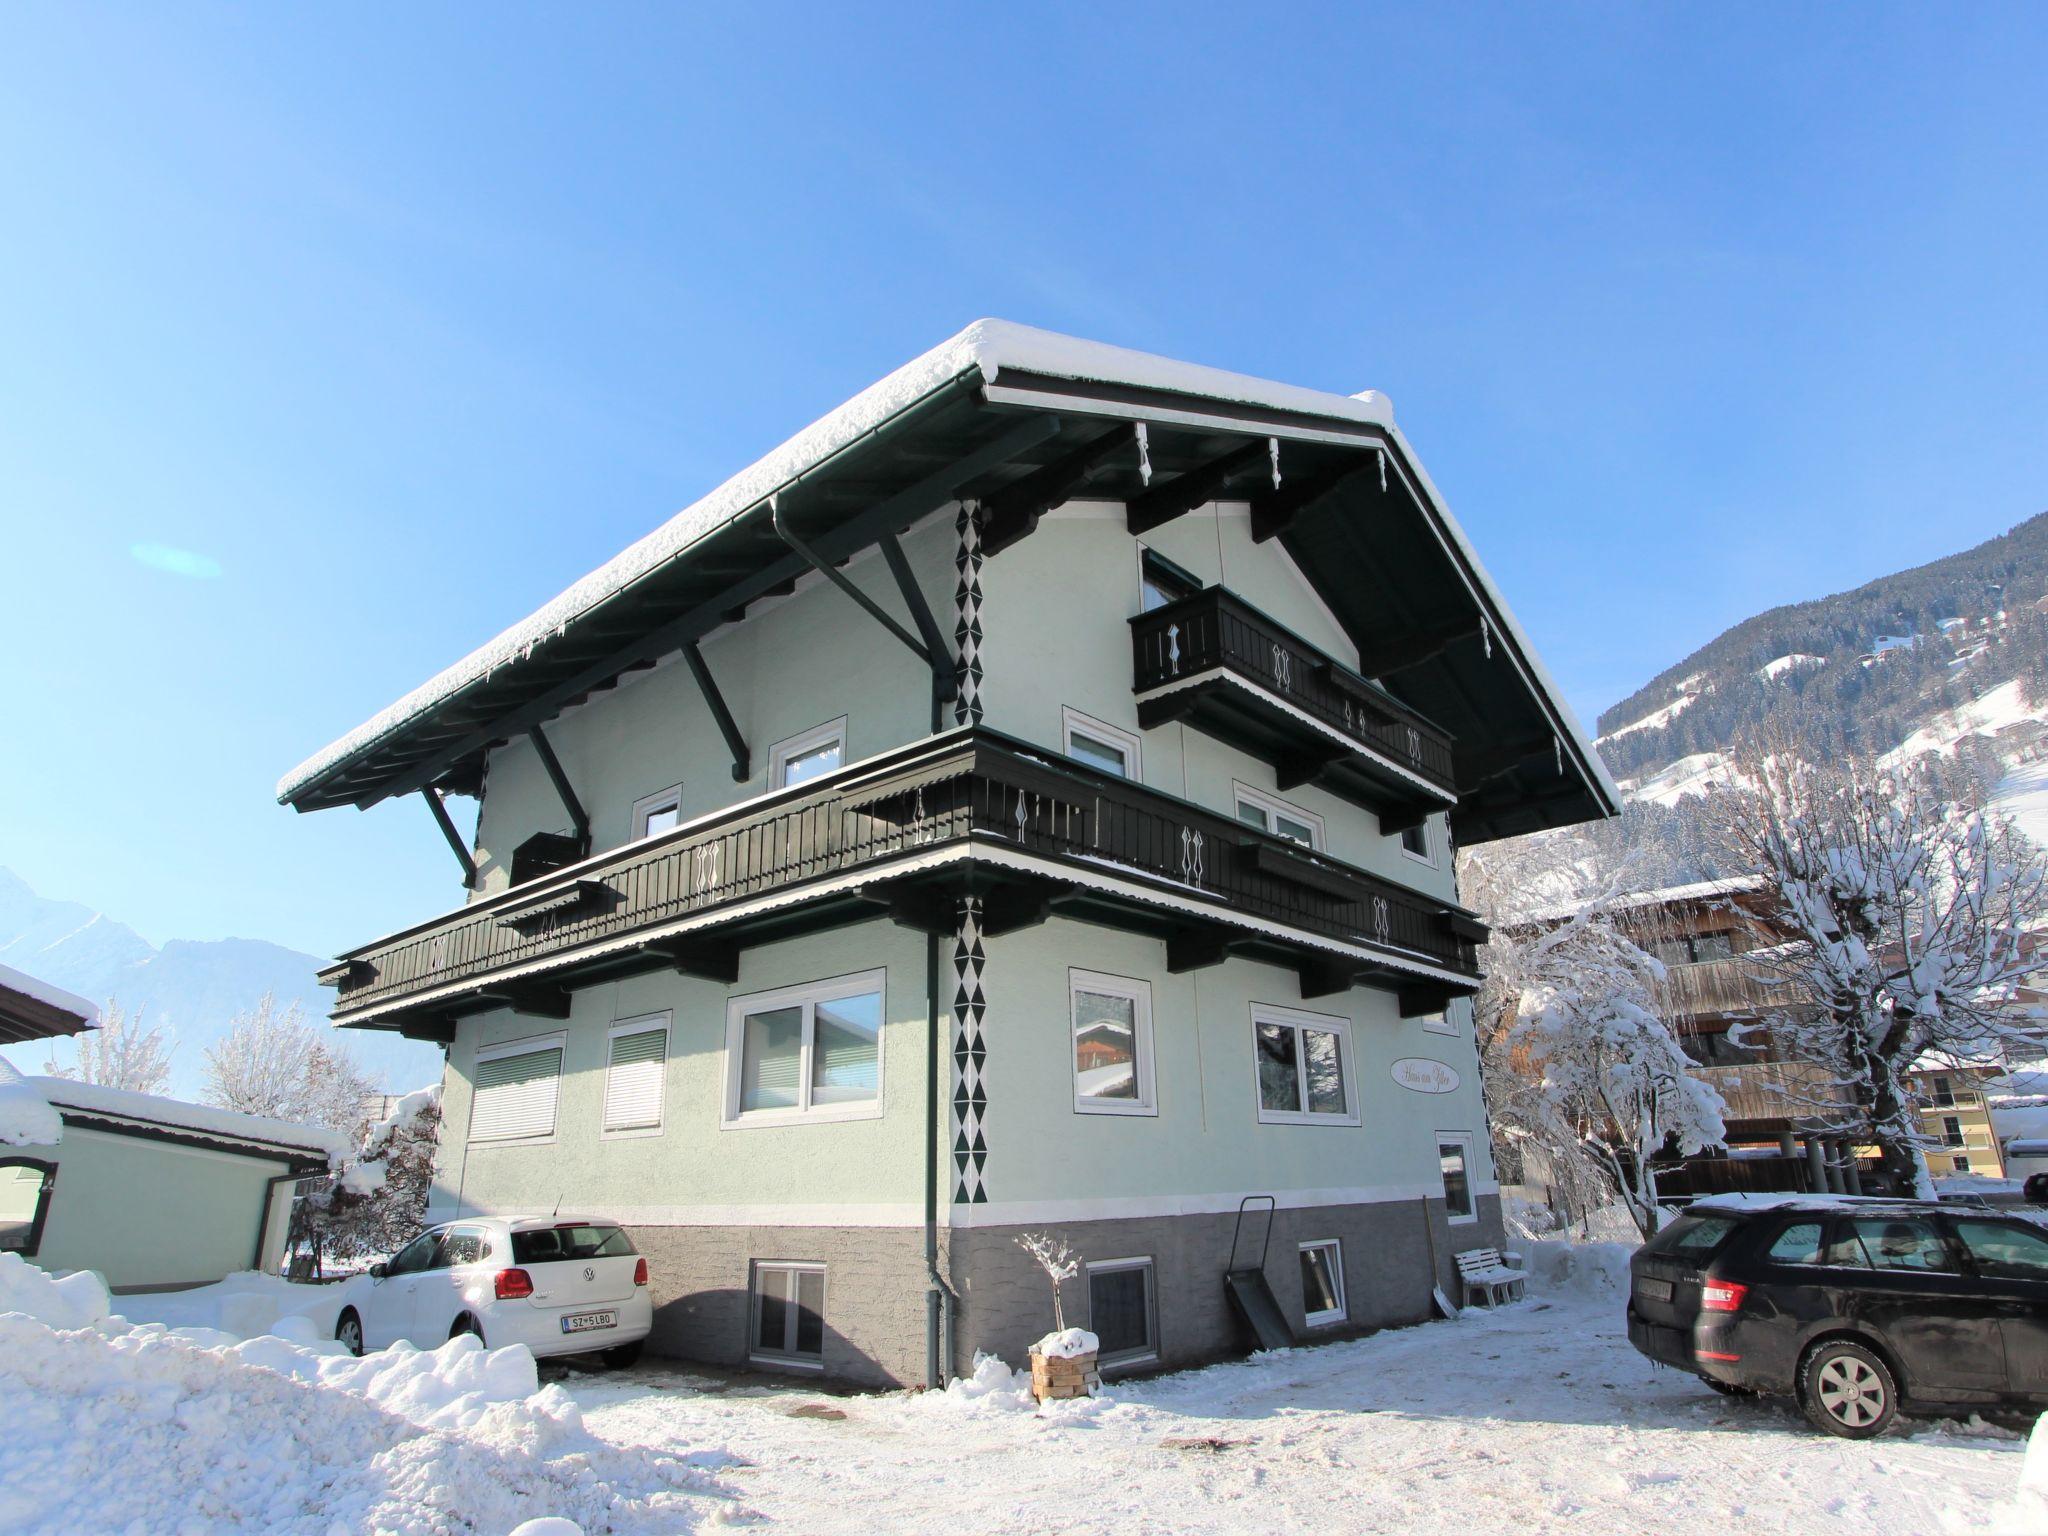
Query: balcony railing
(1776,1090)
(1737,985)
(1215,634)
(969,797)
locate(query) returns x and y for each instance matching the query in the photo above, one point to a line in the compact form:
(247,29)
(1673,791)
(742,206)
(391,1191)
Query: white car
(558,1285)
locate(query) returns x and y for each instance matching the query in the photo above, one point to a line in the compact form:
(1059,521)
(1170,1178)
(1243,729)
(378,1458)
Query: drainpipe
(938,1296)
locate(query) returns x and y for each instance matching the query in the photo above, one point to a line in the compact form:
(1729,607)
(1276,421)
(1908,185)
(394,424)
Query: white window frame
(1342,1313)
(1145,549)
(1440,1022)
(773,1358)
(1464,1140)
(1140,994)
(1268,1013)
(1244,794)
(653,805)
(1428,842)
(808,995)
(529,1046)
(1071,719)
(1151,1351)
(645,1024)
(831,733)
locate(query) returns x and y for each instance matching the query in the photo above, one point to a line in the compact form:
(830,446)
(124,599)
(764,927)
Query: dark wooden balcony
(1217,662)
(906,835)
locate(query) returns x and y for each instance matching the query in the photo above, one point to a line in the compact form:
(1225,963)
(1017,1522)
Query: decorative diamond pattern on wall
(967,626)
(970,1056)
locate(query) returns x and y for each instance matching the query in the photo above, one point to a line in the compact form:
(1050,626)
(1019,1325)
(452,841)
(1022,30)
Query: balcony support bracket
(1329,978)
(705,959)
(1185,492)
(535,1000)
(1306,768)
(1193,949)
(921,909)
(1014,511)
(735,743)
(455,844)
(1417,1001)
(579,820)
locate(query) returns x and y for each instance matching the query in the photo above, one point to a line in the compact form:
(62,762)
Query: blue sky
(331,344)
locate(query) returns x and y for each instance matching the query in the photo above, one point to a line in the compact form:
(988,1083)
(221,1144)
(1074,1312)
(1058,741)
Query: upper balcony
(1775,1094)
(1226,668)
(906,835)
(1740,985)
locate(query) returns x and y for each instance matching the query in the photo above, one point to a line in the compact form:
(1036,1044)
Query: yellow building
(1956,1119)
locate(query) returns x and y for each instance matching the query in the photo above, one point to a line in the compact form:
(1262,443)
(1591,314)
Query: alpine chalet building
(1025,800)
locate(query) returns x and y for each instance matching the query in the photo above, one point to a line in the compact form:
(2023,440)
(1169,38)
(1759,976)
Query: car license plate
(1654,1290)
(583,1322)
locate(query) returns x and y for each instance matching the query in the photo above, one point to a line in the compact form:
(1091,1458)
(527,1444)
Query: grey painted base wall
(875,1283)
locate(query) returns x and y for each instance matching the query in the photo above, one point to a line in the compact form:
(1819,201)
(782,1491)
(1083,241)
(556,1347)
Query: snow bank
(1589,1269)
(245,1304)
(1070,1345)
(76,1301)
(2033,1495)
(26,1118)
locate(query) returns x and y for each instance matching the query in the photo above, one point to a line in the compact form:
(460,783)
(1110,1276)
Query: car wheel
(466,1324)
(619,1356)
(1848,1391)
(349,1330)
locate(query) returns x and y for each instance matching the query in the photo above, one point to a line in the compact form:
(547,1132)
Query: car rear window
(573,1240)
(1692,1237)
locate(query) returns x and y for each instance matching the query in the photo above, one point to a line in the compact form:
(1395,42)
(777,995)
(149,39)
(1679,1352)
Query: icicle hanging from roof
(1144,456)
(1558,743)
(1273,451)
(1486,636)
(1383,469)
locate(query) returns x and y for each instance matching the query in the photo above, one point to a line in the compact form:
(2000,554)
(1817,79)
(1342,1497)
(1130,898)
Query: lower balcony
(907,835)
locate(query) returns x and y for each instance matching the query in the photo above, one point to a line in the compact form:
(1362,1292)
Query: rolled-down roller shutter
(632,1082)
(515,1095)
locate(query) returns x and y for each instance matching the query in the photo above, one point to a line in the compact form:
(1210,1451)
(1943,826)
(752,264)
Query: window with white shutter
(515,1090)
(633,1076)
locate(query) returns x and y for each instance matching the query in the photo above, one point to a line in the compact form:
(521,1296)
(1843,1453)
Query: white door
(392,1299)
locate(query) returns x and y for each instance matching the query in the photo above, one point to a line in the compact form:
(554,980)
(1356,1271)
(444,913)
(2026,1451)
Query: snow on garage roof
(200,1119)
(31,1009)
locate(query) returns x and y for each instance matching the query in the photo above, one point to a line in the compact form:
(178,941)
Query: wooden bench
(1486,1272)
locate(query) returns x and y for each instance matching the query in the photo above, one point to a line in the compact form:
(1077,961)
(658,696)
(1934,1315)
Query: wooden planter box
(1057,1377)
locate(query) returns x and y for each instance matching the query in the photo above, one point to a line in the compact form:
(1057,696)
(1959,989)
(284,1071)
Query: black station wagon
(1856,1307)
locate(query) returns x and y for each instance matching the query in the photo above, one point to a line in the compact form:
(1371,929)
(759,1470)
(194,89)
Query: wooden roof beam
(1185,492)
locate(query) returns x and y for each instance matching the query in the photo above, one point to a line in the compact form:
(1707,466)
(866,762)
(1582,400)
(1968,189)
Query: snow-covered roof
(26,1119)
(982,353)
(1672,895)
(201,1119)
(32,1009)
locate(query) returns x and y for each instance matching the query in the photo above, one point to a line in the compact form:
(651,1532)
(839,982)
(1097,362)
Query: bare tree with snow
(277,1062)
(1908,905)
(1060,1263)
(121,1053)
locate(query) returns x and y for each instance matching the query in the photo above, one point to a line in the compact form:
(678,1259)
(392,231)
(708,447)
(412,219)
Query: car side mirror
(379,1270)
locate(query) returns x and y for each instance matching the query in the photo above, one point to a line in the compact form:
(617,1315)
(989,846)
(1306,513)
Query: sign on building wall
(1423,1075)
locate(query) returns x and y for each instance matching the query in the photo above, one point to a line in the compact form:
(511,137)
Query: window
(1322,1283)
(1941,1092)
(416,1255)
(571,1240)
(25,1185)
(1454,1159)
(1439,1023)
(637,1064)
(1892,1242)
(1121,1311)
(1415,843)
(1691,1237)
(1960,1162)
(1797,1244)
(1100,746)
(516,1087)
(460,1246)
(788,1326)
(1672,951)
(1278,817)
(2000,1252)
(1160,581)
(658,813)
(1304,1068)
(809,756)
(1112,1044)
(1712,946)
(811,1051)
(1952,1130)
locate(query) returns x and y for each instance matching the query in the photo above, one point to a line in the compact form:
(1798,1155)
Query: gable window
(516,1088)
(1415,843)
(810,756)
(1112,1044)
(1322,1283)
(1160,581)
(788,1323)
(25,1186)
(1454,1161)
(634,1071)
(806,1052)
(657,813)
(1256,809)
(1098,745)
(1121,1311)
(1304,1062)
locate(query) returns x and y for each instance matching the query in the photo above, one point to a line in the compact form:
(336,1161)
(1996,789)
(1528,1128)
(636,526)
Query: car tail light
(514,1284)
(640,1273)
(1722,1296)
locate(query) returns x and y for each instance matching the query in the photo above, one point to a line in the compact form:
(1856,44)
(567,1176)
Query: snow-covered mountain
(193,987)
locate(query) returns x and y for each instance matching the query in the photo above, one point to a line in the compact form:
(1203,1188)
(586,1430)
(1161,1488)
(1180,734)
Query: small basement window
(1304,1068)
(1098,745)
(1112,1044)
(1322,1283)
(658,813)
(1454,1160)
(810,756)
(1122,1311)
(515,1087)
(787,1327)
(633,1076)
(806,1052)
(25,1185)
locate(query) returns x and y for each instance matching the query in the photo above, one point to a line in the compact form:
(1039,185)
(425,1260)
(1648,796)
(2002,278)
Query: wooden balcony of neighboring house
(905,836)
(1773,1093)
(1227,669)
(1741,984)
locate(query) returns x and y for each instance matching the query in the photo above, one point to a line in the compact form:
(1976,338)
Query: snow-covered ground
(1535,1418)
